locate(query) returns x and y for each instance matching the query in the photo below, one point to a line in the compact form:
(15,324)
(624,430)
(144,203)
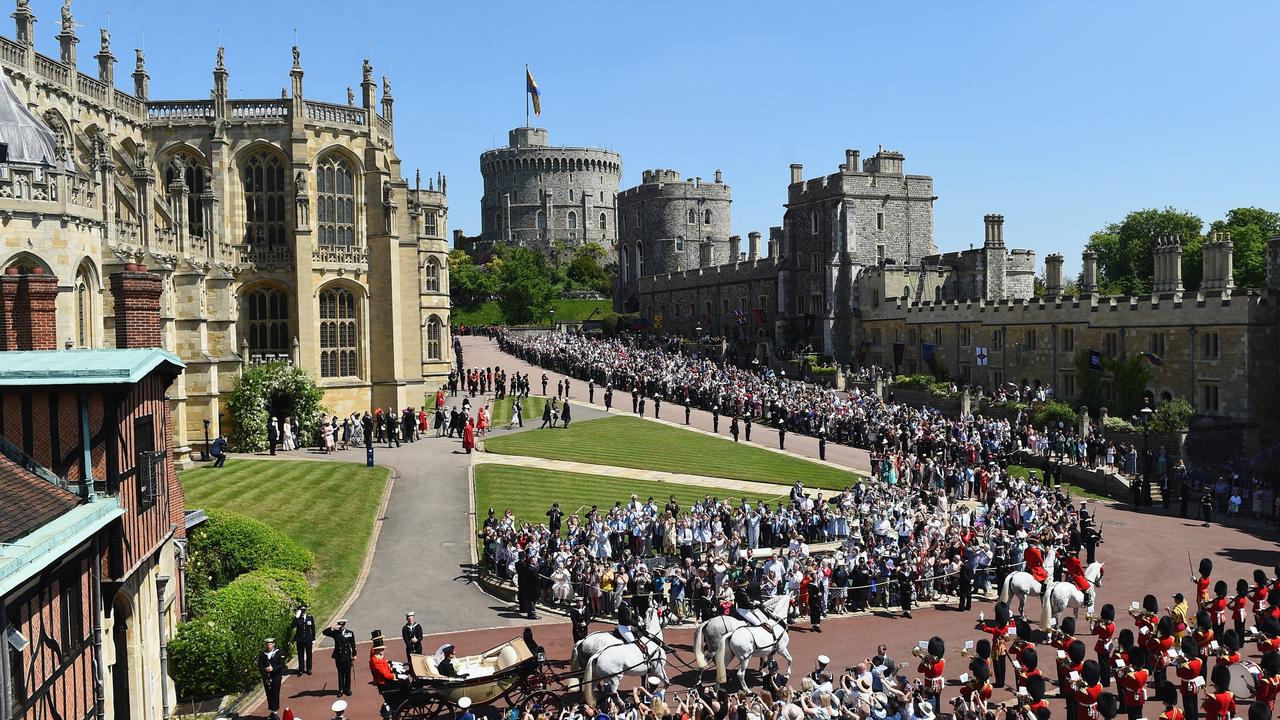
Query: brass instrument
(923,655)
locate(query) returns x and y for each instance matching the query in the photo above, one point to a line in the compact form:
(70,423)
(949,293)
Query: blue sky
(1060,115)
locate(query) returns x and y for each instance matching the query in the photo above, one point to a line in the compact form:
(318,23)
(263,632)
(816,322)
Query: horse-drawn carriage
(514,672)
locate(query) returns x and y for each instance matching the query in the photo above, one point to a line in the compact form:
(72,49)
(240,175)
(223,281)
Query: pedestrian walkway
(610,471)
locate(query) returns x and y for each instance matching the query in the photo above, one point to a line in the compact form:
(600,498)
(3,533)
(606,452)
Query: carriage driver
(626,624)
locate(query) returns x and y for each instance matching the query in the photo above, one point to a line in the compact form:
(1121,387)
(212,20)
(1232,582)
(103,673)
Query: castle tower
(669,224)
(546,197)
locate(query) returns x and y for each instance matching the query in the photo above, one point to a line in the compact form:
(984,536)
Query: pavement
(422,555)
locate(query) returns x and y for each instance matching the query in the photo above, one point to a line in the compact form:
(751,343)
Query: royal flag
(531,87)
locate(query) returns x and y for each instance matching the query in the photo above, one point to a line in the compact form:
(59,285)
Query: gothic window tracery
(264,199)
(339,335)
(434,332)
(193,176)
(335,186)
(267,320)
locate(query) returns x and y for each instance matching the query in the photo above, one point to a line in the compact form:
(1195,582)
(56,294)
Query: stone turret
(1218,275)
(753,245)
(1168,265)
(797,173)
(735,248)
(1089,274)
(995,230)
(1052,276)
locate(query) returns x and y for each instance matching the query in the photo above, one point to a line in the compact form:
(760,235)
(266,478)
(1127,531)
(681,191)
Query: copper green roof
(83,367)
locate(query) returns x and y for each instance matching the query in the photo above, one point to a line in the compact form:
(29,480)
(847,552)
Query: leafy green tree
(1130,375)
(278,389)
(524,289)
(1126,263)
(1250,230)
(469,284)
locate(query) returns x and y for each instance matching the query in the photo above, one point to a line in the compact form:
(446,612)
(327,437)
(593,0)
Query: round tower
(543,197)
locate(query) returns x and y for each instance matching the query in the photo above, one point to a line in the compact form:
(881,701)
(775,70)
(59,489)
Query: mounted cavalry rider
(745,606)
(1073,572)
(1033,557)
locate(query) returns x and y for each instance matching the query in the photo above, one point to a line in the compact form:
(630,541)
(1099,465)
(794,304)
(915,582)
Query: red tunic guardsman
(1036,691)
(977,689)
(1104,628)
(1085,692)
(1258,595)
(1034,559)
(1189,669)
(1268,686)
(1221,703)
(1268,637)
(1229,649)
(1073,571)
(932,665)
(1169,696)
(1027,666)
(1204,581)
(1217,607)
(1132,680)
(1158,643)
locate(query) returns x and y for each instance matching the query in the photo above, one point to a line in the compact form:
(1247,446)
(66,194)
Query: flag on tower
(531,87)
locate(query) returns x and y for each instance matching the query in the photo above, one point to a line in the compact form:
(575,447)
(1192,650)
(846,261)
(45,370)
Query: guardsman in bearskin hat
(1157,646)
(1220,703)
(1072,663)
(1258,595)
(977,691)
(1036,691)
(1104,628)
(1147,615)
(1190,671)
(932,665)
(1168,695)
(1217,607)
(1268,686)
(1238,606)
(1108,706)
(1268,637)
(1026,667)
(1204,581)
(999,627)
(1228,649)
(1085,691)
(1132,681)
(1203,636)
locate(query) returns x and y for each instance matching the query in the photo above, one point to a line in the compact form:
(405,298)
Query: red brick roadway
(1144,553)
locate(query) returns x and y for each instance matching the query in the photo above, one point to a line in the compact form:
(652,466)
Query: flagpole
(526,94)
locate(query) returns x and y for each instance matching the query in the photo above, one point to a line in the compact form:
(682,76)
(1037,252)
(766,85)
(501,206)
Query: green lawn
(327,507)
(568,310)
(529,492)
(532,410)
(624,441)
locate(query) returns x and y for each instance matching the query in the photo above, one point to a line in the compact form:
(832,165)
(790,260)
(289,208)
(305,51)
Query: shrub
(914,382)
(1172,416)
(288,390)
(1115,424)
(217,653)
(229,544)
(1052,411)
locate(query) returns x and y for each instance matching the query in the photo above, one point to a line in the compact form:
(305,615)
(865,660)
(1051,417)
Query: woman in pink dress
(482,421)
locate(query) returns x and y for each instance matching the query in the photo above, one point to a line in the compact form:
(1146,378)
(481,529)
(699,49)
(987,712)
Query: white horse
(588,646)
(1060,596)
(607,667)
(1022,583)
(746,642)
(707,637)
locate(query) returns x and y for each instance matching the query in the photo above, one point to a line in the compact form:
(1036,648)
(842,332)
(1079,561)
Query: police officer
(688,408)
(608,398)
(657,405)
(715,418)
(412,635)
(822,445)
(271,666)
(344,653)
(304,637)
(746,425)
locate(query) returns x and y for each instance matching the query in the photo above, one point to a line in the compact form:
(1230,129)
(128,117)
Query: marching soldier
(304,637)
(412,635)
(1204,581)
(271,665)
(344,653)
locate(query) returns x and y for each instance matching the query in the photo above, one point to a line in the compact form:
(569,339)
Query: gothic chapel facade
(280,229)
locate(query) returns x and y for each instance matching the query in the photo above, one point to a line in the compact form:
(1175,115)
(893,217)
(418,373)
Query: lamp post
(553,319)
(204,454)
(1146,414)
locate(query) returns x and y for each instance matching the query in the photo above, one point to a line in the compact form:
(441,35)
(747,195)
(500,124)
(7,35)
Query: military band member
(271,666)
(1190,669)
(1220,704)
(932,664)
(1203,581)
(1238,606)
(1217,607)
(1104,628)
(1132,681)
(344,653)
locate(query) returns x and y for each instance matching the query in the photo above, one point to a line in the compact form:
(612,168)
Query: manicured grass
(625,441)
(531,410)
(328,507)
(489,313)
(529,492)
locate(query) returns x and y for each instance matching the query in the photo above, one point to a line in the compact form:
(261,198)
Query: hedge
(1052,411)
(229,544)
(1115,424)
(1172,416)
(217,653)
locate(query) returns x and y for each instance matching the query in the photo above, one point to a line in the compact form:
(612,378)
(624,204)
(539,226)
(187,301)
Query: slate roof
(28,501)
(82,367)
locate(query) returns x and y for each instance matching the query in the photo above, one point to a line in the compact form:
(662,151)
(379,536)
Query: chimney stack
(1218,274)
(28,310)
(753,245)
(797,173)
(1052,276)
(1089,275)
(1168,265)
(735,247)
(137,299)
(719,177)
(994,230)
(850,160)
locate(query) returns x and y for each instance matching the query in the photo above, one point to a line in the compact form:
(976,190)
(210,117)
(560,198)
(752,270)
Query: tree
(1126,264)
(1250,230)
(469,285)
(274,389)
(524,291)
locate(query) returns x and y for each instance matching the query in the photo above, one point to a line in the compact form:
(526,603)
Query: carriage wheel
(418,708)
(549,701)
